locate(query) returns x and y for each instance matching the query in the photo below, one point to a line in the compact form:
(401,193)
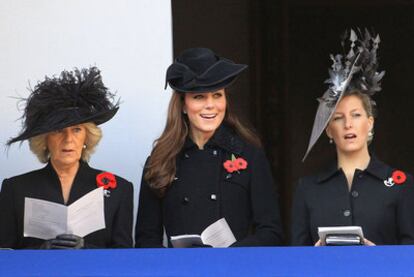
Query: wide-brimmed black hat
(75,97)
(355,70)
(201,70)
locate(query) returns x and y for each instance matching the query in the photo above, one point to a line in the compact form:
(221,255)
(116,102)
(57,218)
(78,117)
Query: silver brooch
(107,193)
(389,182)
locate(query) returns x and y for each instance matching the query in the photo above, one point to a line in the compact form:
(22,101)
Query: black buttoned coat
(385,213)
(203,192)
(44,184)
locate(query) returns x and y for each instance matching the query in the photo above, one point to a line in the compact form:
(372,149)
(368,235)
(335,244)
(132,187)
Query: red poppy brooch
(397,178)
(235,164)
(106,180)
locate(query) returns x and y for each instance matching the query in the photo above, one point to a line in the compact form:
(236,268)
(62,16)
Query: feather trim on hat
(74,97)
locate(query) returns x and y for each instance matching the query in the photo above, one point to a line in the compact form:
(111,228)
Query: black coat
(386,214)
(44,184)
(204,192)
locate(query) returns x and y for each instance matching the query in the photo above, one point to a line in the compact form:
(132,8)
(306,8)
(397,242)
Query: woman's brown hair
(161,166)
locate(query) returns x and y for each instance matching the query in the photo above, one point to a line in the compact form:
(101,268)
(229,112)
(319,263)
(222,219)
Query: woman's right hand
(319,243)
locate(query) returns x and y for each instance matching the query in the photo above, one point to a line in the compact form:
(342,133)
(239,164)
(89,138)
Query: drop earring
(84,146)
(330,140)
(370,135)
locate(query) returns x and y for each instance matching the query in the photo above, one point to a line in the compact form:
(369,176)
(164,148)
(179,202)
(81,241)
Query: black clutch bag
(343,240)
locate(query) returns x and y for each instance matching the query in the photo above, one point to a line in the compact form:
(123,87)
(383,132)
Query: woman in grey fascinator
(358,189)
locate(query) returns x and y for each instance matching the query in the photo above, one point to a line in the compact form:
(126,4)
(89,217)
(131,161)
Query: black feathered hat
(201,70)
(73,98)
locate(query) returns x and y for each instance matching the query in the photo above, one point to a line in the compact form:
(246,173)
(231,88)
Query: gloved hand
(197,245)
(64,241)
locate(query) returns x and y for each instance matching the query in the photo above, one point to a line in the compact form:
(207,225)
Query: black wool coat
(385,213)
(44,184)
(203,192)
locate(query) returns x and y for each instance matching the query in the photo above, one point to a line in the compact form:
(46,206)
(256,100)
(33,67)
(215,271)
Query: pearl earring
(370,136)
(330,140)
(84,146)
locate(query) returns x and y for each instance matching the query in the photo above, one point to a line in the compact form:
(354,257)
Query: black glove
(197,245)
(64,241)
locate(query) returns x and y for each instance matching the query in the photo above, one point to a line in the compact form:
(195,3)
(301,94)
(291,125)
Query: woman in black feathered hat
(60,123)
(206,165)
(357,189)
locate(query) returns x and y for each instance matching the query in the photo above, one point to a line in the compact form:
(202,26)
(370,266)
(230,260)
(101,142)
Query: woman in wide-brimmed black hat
(206,165)
(60,123)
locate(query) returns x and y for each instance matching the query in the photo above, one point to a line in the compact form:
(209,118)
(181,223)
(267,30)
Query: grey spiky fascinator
(356,70)
(74,97)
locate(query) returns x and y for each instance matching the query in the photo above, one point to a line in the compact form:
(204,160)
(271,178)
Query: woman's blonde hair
(38,144)
(369,107)
(161,166)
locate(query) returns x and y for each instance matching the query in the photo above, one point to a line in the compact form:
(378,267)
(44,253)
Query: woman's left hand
(368,242)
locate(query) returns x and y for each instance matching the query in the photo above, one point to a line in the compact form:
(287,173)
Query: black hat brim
(218,76)
(98,118)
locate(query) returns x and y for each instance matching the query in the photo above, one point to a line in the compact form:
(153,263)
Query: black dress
(203,192)
(385,213)
(44,184)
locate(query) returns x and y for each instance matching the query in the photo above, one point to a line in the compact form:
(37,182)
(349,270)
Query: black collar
(224,137)
(375,168)
(81,183)
(82,167)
